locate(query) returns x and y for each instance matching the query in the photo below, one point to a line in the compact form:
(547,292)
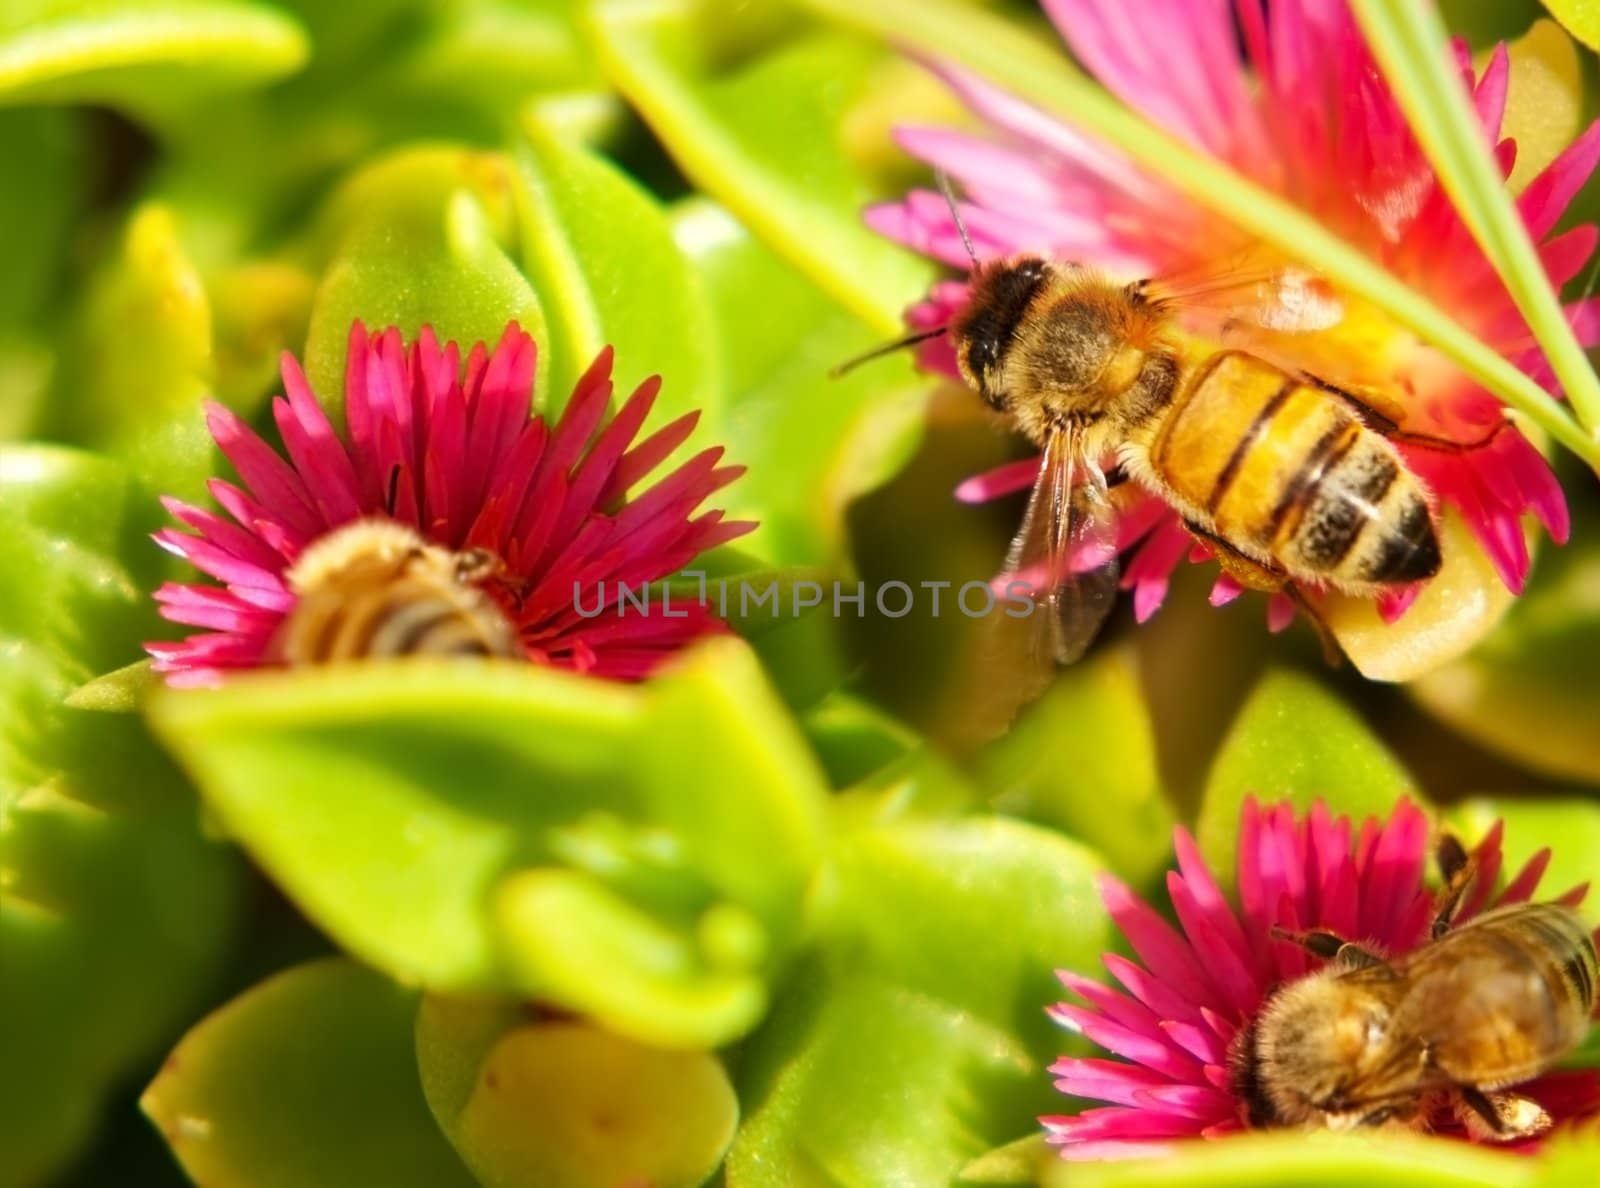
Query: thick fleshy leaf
(138,364)
(737,126)
(1314,1160)
(506,827)
(106,880)
(1022,1161)
(812,443)
(599,251)
(145,56)
(913,1039)
(1528,691)
(854,738)
(1293,740)
(309,1078)
(1083,759)
(46,178)
(559,1103)
(416,240)
(1581,18)
(664,932)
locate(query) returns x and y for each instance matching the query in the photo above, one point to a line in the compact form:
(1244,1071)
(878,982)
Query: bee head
(1000,294)
(1320,1050)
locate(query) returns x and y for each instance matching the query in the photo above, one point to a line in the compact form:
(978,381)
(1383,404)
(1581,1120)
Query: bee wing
(1065,552)
(1236,296)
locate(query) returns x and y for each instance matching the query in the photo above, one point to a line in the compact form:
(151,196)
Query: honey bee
(1286,478)
(1452,1025)
(375,588)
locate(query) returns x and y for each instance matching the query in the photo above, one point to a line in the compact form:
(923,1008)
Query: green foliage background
(784,921)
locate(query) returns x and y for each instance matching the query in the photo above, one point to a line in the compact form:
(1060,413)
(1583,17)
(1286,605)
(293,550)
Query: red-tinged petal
(1575,896)
(1201,1043)
(1199,1102)
(268,478)
(1490,94)
(999,482)
(1154,993)
(1163,951)
(1549,194)
(1084,1151)
(1521,888)
(582,414)
(1105,1080)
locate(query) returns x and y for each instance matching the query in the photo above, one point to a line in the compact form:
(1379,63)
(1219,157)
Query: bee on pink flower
(1287,93)
(447,518)
(1335,989)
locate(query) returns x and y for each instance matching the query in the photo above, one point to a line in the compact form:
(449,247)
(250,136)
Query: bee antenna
(955,213)
(887,348)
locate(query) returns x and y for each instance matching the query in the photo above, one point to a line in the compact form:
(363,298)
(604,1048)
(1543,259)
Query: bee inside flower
(449,520)
(1341,993)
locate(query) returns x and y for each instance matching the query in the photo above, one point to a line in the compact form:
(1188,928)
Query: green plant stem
(992,47)
(1409,41)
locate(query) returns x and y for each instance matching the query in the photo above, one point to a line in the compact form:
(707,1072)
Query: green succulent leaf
(559,1103)
(1317,1160)
(139,363)
(1581,18)
(739,127)
(145,55)
(46,179)
(308,1078)
(1295,741)
(505,827)
(914,1038)
(812,443)
(1528,691)
(104,878)
(1083,759)
(415,239)
(854,738)
(1022,1161)
(600,253)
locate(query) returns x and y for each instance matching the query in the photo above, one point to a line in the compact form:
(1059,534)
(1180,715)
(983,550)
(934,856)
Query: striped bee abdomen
(376,590)
(1283,469)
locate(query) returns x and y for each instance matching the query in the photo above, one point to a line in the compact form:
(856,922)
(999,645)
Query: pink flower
(460,461)
(1302,110)
(1197,986)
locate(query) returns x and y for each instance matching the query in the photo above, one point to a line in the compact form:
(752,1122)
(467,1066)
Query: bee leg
(1330,946)
(1253,575)
(1458,869)
(1332,653)
(474,565)
(1499,1117)
(1380,421)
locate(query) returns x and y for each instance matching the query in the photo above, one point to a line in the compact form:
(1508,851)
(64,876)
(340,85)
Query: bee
(375,588)
(1454,1024)
(1289,480)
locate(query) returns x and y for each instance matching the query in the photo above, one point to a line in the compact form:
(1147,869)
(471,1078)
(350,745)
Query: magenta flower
(464,462)
(1198,985)
(1302,110)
